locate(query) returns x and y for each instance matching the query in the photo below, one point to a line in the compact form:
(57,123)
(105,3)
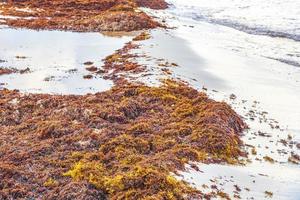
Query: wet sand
(266,94)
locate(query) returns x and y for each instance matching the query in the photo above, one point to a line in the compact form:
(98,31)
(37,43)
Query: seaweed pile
(5,70)
(120,144)
(122,64)
(126,64)
(80,15)
(124,143)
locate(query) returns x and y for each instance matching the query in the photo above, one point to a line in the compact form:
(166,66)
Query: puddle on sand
(57,57)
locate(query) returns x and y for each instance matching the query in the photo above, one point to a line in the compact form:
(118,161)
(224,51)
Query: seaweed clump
(124,143)
(81,15)
(142,36)
(122,61)
(120,66)
(5,70)
(154,4)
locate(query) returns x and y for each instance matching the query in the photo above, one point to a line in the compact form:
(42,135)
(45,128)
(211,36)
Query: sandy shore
(263,91)
(266,94)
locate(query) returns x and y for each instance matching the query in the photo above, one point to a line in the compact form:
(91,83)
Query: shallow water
(57,56)
(273,24)
(276,18)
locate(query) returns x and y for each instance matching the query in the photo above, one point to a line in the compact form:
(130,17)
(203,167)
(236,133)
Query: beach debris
(4,70)
(142,36)
(89,76)
(253,151)
(237,188)
(268,194)
(269,159)
(88,63)
(232,97)
(24,71)
(118,143)
(72,71)
(121,66)
(166,71)
(294,158)
(81,15)
(21,57)
(153,4)
(92,69)
(49,78)
(223,195)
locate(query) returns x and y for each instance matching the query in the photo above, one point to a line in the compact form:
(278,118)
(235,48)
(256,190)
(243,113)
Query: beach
(226,51)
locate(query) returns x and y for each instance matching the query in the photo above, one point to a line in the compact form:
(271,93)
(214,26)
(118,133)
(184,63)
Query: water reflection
(53,54)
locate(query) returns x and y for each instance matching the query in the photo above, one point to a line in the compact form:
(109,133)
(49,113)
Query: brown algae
(119,144)
(80,15)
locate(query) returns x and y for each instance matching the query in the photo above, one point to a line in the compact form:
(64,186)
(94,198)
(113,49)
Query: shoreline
(246,76)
